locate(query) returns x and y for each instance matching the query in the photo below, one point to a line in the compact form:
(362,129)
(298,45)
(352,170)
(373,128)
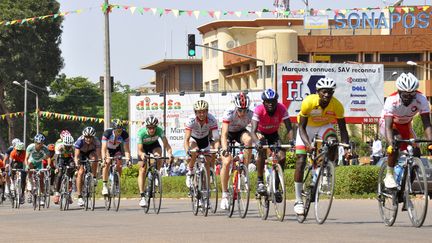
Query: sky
(140,39)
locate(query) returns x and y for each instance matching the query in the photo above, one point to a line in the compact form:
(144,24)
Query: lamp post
(26,82)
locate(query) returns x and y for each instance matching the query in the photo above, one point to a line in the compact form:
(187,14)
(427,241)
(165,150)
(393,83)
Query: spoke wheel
(263,202)
(63,196)
(115,192)
(47,192)
(107,198)
(243,191)
(204,189)
(147,194)
(18,194)
(194,193)
(213,196)
(307,195)
(324,192)
(416,193)
(92,196)
(279,193)
(387,198)
(232,192)
(157,192)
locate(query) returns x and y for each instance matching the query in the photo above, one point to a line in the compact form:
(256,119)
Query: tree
(28,51)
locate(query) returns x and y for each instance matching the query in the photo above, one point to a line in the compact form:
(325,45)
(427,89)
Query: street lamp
(26,82)
(411,63)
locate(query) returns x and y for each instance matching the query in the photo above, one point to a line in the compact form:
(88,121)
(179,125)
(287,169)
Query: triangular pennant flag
(231,12)
(245,13)
(238,13)
(196,13)
(181,12)
(258,13)
(153,10)
(203,13)
(211,14)
(399,9)
(13,22)
(343,11)
(101,120)
(167,11)
(55,15)
(411,9)
(336,11)
(140,10)
(78,11)
(160,11)
(406,9)
(175,12)
(189,12)
(294,12)
(146,9)
(217,14)
(3,116)
(322,12)
(132,9)
(425,8)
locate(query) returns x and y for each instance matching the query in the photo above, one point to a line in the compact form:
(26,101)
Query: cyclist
(16,161)
(35,154)
(112,138)
(51,166)
(87,146)
(266,120)
(234,123)
(396,117)
(200,129)
(148,137)
(317,114)
(63,157)
(9,150)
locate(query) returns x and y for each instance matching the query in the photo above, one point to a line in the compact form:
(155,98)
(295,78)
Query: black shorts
(202,143)
(148,148)
(270,139)
(62,162)
(114,152)
(236,136)
(86,155)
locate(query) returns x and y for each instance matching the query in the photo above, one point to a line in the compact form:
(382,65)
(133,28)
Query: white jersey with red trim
(199,131)
(393,107)
(236,123)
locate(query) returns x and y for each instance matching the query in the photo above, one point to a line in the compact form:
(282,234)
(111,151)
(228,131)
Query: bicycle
(90,183)
(274,183)
(47,187)
(319,181)
(37,195)
(16,194)
(154,183)
(200,186)
(65,188)
(412,191)
(238,183)
(113,184)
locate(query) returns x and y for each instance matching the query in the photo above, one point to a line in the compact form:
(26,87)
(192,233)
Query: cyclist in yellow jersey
(317,113)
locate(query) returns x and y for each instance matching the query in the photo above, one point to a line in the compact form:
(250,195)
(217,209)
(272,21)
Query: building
(282,40)
(177,74)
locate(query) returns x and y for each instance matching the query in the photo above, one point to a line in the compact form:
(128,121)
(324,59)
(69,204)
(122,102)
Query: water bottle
(398,171)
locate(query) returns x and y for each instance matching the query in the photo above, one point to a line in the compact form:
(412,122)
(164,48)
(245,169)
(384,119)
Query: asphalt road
(349,221)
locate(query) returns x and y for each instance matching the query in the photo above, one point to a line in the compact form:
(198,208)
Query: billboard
(360,87)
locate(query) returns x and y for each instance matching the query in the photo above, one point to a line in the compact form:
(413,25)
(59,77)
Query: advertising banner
(359,87)
(179,108)
(317,22)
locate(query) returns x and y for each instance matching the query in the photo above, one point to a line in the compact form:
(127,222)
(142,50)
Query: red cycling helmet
(64,133)
(241,101)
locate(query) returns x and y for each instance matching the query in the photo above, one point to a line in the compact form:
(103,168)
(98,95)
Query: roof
(248,23)
(165,63)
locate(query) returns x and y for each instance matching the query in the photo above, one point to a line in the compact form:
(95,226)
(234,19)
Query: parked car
(427,162)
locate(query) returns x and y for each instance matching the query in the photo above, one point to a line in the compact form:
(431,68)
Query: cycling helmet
(241,101)
(68,140)
(39,138)
(89,132)
(64,133)
(326,83)
(15,141)
(20,146)
(407,82)
(151,121)
(116,124)
(269,94)
(200,105)
(51,147)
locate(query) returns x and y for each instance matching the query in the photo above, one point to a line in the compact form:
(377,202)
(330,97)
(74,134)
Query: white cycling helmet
(151,121)
(326,83)
(201,105)
(15,141)
(19,146)
(407,82)
(68,140)
(89,132)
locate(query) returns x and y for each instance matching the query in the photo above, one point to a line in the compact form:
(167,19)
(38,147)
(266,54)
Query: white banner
(315,22)
(359,87)
(178,110)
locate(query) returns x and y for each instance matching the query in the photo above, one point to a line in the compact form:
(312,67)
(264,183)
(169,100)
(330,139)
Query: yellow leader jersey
(316,115)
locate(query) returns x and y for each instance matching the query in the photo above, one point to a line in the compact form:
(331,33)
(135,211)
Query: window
(400,57)
(303,58)
(207,86)
(269,71)
(215,85)
(368,57)
(214,44)
(341,58)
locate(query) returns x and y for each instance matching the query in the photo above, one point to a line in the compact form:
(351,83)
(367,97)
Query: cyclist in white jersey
(234,123)
(397,115)
(200,129)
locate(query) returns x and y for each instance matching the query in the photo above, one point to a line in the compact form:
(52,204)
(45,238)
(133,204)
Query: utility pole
(107,79)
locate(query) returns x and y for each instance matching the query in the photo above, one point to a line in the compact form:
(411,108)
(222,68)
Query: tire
(157,192)
(204,191)
(307,194)
(232,192)
(194,193)
(107,198)
(280,207)
(92,193)
(264,202)
(87,191)
(243,191)
(387,198)
(115,193)
(63,191)
(416,193)
(324,192)
(213,198)
(18,194)
(47,194)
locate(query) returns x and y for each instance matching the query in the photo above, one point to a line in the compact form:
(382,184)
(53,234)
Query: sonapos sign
(147,104)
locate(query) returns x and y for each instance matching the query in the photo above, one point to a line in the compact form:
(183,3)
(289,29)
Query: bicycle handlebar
(345,145)
(151,156)
(118,157)
(242,147)
(209,151)
(278,146)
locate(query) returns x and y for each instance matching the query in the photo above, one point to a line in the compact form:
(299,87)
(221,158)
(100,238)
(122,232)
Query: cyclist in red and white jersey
(235,120)
(396,119)
(266,120)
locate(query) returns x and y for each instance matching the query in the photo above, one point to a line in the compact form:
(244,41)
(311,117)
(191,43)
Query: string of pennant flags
(64,117)
(216,14)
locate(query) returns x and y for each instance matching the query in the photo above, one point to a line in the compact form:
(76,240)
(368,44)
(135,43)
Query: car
(427,162)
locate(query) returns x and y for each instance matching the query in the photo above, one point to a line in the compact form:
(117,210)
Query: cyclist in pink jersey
(265,124)
(399,110)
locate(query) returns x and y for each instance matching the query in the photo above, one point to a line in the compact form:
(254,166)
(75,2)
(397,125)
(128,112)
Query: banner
(178,109)
(359,87)
(318,22)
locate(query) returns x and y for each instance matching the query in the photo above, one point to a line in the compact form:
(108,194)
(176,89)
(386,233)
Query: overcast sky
(137,40)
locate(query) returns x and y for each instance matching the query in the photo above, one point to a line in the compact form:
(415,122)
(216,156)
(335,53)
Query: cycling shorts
(202,143)
(236,136)
(148,148)
(404,130)
(116,151)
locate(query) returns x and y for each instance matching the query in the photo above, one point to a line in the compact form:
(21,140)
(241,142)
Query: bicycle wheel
(278,192)
(263,202)
(324,192)
(232,192)
(213,196)
(107,198)
(387,198)
(416,193)
(115,192)
(243,191)
(194,193)
(307,194)
(92,191)
(204,188)
(157,192)
(63,191)
(148,192)
(18,194)
(47,195)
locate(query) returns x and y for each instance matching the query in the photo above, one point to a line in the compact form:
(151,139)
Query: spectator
(376,150)
(341,155)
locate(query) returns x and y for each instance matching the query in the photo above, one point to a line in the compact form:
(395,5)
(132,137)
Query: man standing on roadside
(376,150)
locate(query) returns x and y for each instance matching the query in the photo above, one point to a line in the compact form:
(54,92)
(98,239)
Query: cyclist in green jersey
(148,143)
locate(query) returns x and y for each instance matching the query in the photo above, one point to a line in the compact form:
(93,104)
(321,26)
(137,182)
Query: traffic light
(191,45)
